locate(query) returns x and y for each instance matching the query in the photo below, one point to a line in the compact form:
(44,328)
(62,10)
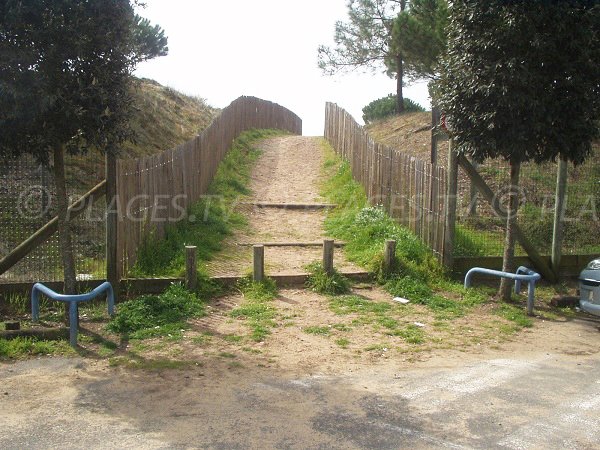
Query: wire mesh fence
(28,202)
(480,231)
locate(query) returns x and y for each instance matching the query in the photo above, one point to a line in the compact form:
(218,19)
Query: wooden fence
(154,191)
(412,191)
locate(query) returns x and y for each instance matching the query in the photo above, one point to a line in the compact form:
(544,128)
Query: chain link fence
(480,232)
(28,202)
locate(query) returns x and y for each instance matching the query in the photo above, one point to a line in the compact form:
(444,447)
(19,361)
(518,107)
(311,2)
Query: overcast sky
(220,50)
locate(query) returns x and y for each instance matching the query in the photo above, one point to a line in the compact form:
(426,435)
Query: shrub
(386,106)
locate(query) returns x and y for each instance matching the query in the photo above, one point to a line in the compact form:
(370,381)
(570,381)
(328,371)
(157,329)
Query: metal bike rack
(522,275)
(72,300)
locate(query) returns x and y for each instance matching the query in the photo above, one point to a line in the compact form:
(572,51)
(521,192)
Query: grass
(211,219)
(319,281)
(23,347)
(257,309)
(365,228)
(321,331)
(350,304)
(157,315)
(342,342)
(514,314)
(416,274)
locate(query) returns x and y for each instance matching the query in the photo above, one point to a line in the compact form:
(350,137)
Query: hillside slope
(163,118)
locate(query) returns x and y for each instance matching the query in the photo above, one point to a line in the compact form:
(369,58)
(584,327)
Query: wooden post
(451,193)
(191,267)
(559,212)
(259,263)
(112,219)
(328,256)
(389,256)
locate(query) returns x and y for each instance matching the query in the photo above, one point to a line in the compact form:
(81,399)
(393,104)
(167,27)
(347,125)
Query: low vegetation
(257,309)
(416,274)
(329,284)
(386,106)
(157,315)
(23,347)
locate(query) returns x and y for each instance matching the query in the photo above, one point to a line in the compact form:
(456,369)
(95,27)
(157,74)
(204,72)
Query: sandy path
(288,171)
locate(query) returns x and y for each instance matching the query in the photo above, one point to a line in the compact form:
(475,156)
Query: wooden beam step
(293,206)
(289,244)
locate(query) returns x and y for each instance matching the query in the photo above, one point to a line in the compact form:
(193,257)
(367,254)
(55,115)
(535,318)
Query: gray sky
(220,50)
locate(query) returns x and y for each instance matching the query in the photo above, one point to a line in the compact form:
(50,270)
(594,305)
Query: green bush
(386,106)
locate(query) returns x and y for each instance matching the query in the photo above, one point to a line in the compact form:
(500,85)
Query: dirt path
(288,171)
(539,392)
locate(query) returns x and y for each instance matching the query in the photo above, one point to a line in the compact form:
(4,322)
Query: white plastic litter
(404,301)
(419,324)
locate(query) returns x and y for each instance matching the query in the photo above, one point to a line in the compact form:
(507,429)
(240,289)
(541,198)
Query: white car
(589,288)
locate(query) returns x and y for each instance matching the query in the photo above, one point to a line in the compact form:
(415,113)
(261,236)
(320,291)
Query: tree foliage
(521,79)
(404,38)
(364,41)
(65,68)
(419,35)
(65,71)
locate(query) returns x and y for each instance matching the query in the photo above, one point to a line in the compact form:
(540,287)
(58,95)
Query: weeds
(157,315)
(321,331)
(257,309)
(319,281)
(24,346)
(342,342)
(514,314)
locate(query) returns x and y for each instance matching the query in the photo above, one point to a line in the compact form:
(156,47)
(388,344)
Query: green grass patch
(208,221)
(323,283)
(349,304)
(365,229)
(157,315)
(411,334)
(321,331)
(377,347)
(257,309)
(514,314)
(22,347)
(341,327)
(342,342)
(263,290)
(233,338)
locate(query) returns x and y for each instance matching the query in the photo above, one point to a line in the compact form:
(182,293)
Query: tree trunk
(399,79)
(64,228)
(511,221)
(559,215)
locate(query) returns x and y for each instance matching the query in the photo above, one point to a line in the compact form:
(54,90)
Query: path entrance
(285,208)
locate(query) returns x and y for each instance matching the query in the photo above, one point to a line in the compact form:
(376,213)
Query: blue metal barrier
(72,300)
(522,275)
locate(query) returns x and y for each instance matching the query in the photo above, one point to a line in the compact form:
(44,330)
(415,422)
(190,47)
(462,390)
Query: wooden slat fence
(155,190)
(411,190)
